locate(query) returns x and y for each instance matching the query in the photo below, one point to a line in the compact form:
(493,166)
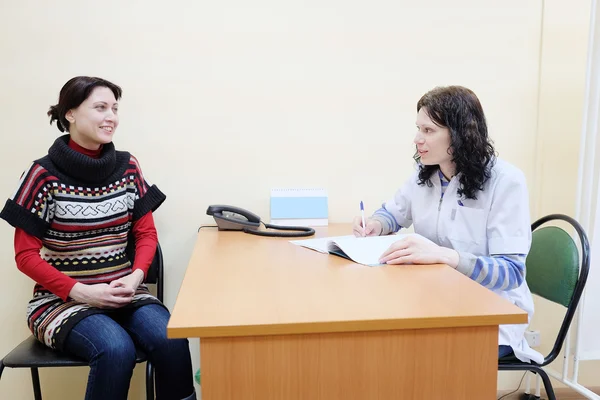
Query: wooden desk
(282,322)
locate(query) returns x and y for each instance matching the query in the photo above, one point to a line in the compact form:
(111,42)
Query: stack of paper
(362,250)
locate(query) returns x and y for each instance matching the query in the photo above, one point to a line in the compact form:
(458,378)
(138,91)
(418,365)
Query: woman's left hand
(131,281)
(418,250)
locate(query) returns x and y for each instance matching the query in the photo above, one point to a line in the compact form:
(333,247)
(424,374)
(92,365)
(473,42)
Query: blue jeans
(504,350)
(107,342)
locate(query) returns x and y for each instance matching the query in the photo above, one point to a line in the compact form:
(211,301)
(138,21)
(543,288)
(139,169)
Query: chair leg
(528,396)
(35,379)
(149,381)
(547,384)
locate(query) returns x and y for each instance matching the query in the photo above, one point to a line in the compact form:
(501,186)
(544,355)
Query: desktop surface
(238,284)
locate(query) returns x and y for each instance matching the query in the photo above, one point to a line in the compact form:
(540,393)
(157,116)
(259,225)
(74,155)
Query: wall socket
(533,338)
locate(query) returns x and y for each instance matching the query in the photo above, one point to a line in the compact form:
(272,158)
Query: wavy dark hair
(458,109)
(73,93)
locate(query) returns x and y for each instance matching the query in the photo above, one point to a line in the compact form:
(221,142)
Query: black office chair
(554,273)
(33,354)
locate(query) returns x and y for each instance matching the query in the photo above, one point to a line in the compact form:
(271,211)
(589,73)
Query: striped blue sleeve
(501,272)
(388,222)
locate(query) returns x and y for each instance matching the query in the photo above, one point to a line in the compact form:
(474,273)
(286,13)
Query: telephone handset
(229,218)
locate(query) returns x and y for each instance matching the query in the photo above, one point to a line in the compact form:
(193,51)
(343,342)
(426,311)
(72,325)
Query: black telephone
(231,218)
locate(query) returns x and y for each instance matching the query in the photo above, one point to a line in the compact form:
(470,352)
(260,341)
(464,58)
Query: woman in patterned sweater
(73,211)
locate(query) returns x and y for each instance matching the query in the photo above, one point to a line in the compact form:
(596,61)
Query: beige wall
(562,86)
(218,98)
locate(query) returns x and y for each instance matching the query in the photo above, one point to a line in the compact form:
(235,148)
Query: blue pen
(362,213)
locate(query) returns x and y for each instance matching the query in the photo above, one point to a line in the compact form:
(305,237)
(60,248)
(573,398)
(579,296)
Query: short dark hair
(73,93)
(458,109)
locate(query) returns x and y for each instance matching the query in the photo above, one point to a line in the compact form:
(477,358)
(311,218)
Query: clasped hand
(117,294)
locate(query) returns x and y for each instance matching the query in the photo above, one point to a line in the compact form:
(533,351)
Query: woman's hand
(131,281)
(373,228)
(418,250)
(101,295)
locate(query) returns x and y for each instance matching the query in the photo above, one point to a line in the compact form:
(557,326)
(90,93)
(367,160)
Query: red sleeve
(29,261)
(146,240)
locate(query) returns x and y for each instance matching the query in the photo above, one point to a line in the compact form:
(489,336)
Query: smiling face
(433,143)
(95,121)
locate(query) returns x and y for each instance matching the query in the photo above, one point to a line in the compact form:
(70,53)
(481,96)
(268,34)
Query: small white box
(297,206)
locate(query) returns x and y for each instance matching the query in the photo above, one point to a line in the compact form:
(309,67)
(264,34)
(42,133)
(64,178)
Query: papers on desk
(363,250)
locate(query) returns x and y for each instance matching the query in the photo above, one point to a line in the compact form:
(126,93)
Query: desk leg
(448,363)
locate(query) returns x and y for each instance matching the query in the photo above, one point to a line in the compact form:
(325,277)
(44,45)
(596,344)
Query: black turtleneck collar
(81,167)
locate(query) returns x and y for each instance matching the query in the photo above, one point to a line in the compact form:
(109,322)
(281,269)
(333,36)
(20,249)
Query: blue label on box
(298,207)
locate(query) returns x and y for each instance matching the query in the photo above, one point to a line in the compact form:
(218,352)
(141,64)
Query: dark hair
(73,93)
(458,109)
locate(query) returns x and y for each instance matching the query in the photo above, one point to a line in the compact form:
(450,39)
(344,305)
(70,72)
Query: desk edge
(344,326)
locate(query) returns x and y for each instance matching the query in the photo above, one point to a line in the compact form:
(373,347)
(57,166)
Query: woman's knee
(116,348)
(120,350)
(99,336)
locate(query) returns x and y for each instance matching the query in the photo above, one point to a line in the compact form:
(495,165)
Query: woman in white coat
(471,206)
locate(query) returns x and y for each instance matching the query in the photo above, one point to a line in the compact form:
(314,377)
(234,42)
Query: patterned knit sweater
(82,210)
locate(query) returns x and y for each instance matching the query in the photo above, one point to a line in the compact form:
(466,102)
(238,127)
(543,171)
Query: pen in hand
(362,214)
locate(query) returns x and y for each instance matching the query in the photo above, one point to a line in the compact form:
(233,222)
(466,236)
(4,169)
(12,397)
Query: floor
(561,394)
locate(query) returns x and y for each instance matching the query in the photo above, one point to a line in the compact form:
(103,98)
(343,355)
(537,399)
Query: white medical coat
(497,222)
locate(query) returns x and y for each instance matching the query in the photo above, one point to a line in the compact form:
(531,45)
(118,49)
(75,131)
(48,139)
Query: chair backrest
(155,271)
(553,265)
(555,271)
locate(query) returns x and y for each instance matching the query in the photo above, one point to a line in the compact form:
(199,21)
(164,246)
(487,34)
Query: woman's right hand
(373,228)
(101,295)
